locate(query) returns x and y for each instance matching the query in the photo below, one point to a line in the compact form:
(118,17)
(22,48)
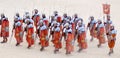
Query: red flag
(106,8)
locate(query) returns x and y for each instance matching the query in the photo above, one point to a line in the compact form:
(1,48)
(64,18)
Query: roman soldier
(92,25)
(18,29)
(81,36)
(36,18)
(18,32)
(56,37)
(4,28)
(107,25)
(42,33)
(45,20)
(112,38)
(69,39)
(100,33)
(79,21)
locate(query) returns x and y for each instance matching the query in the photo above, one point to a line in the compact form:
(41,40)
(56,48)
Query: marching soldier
(81,36)
(36,18)
(4,28)
(112,38)
(18,29)
(107,25)
(69,39)
(56,37)
(100,33)
(42,33)
(18,32)
(30,35)
(92,25)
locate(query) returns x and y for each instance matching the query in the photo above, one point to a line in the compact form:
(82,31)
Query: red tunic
(4,26)
(81,40)
(93,32)
(36,19)
(59,19)
(56,40)
(111,43)
(46,22)
(42,36)
(18,30)
(100,36)
(30,36)
(69,46)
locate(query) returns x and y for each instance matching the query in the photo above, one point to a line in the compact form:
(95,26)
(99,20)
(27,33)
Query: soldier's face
(43,16)
(69,18)
(112,27)
(41,24)
(92,18)
(15,20)
(108,18)
(64,21)
(55,24)
(99,22)
(27,22)
(67,26)
(17,14)
(65,15)
(75,16)
(2,15)
(56,14)
(52,16)
(36,11)
(79,24)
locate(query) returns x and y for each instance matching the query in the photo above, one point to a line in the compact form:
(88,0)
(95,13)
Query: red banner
(106,8)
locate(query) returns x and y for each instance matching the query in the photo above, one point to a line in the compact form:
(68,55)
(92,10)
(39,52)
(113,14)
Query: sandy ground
(84,8)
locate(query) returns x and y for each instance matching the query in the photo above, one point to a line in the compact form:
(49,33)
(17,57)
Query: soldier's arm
(105,23)
(13,27)
(88,25)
